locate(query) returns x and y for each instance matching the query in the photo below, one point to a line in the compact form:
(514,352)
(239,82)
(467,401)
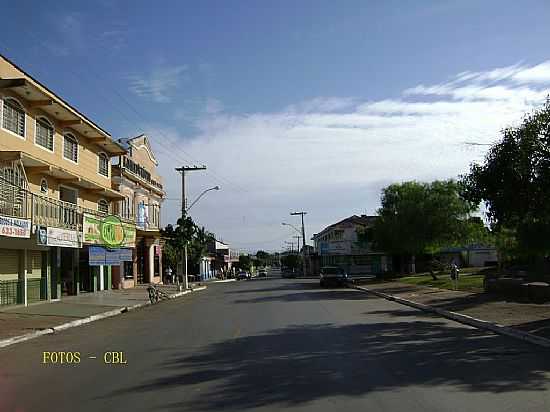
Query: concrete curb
(223,281)
(48,331)
(464,319)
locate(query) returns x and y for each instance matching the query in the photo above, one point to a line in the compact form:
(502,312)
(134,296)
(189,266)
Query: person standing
(454,275)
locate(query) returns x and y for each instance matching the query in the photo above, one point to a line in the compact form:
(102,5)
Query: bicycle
(155,294)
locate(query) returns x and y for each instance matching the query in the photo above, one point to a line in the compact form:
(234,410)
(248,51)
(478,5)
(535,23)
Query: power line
(140,116)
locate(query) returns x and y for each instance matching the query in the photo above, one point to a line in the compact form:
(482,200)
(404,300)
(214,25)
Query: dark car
(332,275)
(243,275)
(262,273)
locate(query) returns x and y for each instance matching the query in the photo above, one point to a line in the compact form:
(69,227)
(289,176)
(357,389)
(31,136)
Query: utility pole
(182,170)
(297,242)
(302,213)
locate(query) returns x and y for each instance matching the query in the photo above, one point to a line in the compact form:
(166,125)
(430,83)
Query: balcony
(20,203)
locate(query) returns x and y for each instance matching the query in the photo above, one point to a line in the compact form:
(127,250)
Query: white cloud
(159,84)
(331,156)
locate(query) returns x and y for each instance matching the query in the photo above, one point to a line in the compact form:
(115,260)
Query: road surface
(277,344)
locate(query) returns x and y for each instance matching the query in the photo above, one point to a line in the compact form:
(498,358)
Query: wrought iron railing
(11,292)
(43,210)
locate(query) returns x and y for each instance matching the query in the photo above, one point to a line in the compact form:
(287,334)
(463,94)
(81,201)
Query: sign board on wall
(108,231)
(99,256)
(63,238)
(14,227)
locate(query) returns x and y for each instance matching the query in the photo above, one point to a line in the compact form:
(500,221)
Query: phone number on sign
(13,231)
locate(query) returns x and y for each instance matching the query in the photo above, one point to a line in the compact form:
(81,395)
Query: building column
(151,256)
(23,275)
(101,278)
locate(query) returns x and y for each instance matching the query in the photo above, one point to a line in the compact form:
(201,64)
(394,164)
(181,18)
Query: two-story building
(55,193)
(348,244)
(135,177)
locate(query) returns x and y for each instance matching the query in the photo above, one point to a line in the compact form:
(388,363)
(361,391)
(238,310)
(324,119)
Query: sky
(291,105)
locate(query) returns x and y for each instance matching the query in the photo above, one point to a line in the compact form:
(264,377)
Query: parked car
(243,275)
(332,275)
(262,273)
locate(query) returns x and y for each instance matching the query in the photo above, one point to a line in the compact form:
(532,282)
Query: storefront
(64,246)
(108,245)
(24,265)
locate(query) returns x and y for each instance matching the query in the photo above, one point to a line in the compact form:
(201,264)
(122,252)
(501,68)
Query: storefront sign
(99,256)
(108,231)
(63,238)
(13,227)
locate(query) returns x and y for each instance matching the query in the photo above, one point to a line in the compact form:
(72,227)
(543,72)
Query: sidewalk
(526,317)
(21,320)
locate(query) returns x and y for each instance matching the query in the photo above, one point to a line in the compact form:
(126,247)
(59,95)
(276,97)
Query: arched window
(103,166)
(70,148)
(44,133)
(13,117)
(103,206)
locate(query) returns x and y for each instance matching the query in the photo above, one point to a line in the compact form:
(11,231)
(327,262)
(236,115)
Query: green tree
(417,218)
(512,181)
(186,233)
(245,262)
(263,257)
(292,261)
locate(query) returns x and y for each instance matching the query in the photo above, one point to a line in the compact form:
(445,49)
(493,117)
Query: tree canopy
(418,217)
(512,181)
(186,232)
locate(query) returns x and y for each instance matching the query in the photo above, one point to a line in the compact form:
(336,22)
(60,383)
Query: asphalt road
(277,344)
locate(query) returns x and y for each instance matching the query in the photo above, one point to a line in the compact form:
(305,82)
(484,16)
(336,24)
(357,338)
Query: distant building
(348,244)
(471,256)
(220,259)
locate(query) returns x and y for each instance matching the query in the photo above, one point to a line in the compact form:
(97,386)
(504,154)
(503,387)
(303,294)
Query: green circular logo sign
(112,231)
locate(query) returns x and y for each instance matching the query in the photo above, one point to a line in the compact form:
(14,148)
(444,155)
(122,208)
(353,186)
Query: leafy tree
(417,218)
(245,262)
(186,233)
(263,257)
(292,261)
(512,181)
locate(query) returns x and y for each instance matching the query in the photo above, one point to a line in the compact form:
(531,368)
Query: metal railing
(55,213)
(14,200)
(43,210)
(11,292)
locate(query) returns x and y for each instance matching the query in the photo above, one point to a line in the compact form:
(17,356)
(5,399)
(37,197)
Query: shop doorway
(68,286)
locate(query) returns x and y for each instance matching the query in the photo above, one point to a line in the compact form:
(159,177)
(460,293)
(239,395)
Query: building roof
(363,220)
(29,86)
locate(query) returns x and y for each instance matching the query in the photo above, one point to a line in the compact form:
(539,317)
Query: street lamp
(185,281)
(293,227)
(201,195)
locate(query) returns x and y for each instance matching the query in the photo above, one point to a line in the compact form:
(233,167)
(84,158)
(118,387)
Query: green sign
(112,231)
(108,231)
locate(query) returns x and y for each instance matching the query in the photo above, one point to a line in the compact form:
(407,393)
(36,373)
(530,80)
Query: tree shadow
(317,295)
(281,288)
(302,363)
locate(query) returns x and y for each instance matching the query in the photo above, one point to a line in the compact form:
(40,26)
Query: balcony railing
(56,213)
(43,210)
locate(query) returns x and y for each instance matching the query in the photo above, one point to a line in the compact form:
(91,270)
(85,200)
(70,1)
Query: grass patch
(466,282)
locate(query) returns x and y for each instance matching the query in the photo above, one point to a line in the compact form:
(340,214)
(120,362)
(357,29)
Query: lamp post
(185,280)
(302,213)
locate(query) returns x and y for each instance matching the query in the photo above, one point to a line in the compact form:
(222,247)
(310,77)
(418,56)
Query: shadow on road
(302,363)
(318,295)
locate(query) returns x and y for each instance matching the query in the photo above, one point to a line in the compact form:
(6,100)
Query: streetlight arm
(293,227)
(201,195)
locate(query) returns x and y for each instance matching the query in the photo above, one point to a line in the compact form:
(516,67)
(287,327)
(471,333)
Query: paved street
(277,344)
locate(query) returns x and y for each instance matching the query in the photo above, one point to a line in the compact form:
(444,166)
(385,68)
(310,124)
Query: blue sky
(299,104)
